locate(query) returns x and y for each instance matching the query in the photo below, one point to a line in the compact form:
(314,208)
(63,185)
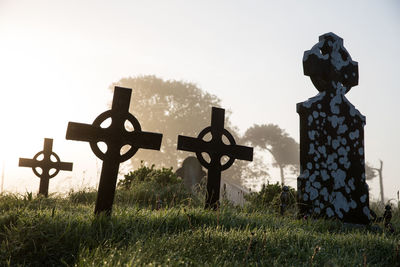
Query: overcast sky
(58,58)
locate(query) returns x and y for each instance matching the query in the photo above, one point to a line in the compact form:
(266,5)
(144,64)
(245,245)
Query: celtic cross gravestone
(332,179)
(216,149)
(116,136)
(43,161)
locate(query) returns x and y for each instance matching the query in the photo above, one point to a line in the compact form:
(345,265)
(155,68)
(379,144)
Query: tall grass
(63,231)
(156,222)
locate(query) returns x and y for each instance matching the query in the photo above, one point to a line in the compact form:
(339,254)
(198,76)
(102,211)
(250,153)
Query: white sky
(57,59)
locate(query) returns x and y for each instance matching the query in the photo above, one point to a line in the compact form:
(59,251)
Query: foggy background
(59,58)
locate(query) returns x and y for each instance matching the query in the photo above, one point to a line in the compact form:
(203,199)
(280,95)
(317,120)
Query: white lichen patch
(335,102)
(353,111)
(305,174)
(366,211)
(342,151)
(316,50)
(335,143)
(317,185)
(310,120)
(311,134)
(329,212)
(338,176)
(335,120)
(324,175)
(313,176)
(324,193)
(342,129)
(354,135)
(313,193)
(351,184)
(322,150)
(309,165)
(311,149)
(336,53)
(340,203)
(312,100)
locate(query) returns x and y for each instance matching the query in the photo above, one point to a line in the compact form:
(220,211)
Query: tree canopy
(370,172)
(172,108)
(181,108)
(283,148)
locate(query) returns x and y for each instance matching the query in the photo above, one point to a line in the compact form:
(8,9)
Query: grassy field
(62,231)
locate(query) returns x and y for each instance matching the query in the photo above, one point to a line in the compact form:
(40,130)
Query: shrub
(269,197)
(162,176)
(148,186)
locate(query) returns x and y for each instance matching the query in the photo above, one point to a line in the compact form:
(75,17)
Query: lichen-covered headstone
(332,179)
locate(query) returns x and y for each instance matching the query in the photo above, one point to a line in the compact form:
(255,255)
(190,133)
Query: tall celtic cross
(46,164)
(115,136)
(216,149)
(332,165)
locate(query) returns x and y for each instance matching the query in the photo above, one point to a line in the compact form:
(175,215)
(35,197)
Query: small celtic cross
(46,165)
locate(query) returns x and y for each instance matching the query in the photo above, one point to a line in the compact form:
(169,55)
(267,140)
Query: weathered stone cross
(115,136)
(216,149)
(46,164)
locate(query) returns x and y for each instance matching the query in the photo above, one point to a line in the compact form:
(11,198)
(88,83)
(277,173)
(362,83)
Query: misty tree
(177,108)
(372,172)
(283,148)
(170,108)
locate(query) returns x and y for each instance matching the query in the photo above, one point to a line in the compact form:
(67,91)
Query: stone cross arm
(195,145)
(32,163)
(90,133)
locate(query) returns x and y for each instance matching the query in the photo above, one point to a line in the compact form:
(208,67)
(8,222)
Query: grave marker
(191,172)
(45,164)
(332,180)
(115,136)
(216,149)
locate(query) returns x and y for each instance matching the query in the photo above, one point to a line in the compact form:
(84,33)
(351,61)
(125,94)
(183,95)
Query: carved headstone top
(328,63)
(332,180)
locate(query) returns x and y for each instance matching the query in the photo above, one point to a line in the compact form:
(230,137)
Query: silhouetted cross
(115,136)
(46,164)
(216,150)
